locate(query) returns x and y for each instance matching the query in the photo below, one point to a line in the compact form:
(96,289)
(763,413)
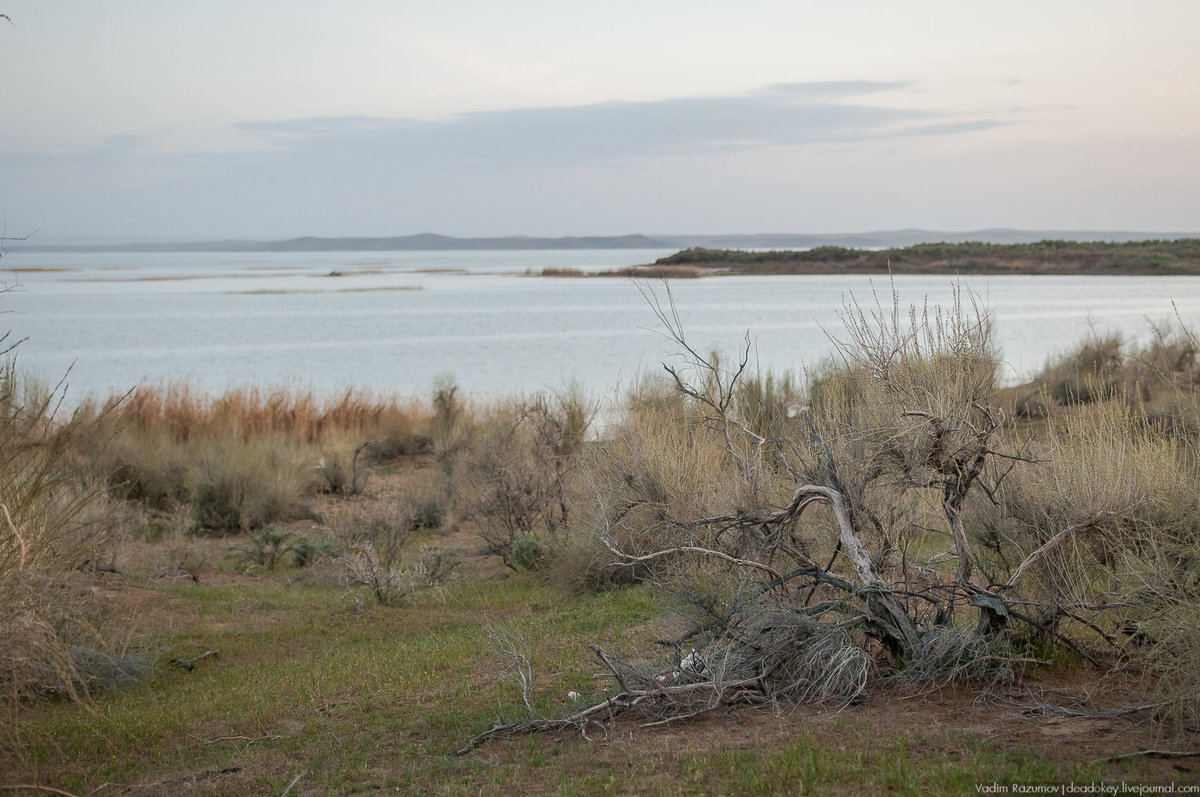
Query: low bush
(515,469)
(267,547)
(235,488)
(342,469)
(376,538)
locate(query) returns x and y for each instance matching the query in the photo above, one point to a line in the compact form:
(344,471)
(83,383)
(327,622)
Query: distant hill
(784,241)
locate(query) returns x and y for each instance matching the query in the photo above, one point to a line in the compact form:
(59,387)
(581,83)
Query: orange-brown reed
(187,414)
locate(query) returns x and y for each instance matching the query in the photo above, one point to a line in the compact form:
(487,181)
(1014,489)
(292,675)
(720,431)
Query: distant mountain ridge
(431,242)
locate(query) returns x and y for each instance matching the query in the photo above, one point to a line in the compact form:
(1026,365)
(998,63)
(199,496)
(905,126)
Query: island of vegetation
(1135,258)
(1178,257)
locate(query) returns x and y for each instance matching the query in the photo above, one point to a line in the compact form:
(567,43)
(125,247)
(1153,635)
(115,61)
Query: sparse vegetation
(891,524)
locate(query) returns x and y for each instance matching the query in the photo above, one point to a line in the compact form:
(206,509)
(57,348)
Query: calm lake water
(395,321)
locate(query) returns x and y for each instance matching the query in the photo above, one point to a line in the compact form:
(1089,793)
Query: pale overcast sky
(149,119)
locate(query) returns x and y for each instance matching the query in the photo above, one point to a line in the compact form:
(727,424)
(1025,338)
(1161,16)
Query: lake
(396,321)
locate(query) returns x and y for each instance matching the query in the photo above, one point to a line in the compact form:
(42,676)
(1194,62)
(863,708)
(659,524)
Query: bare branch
(631,559)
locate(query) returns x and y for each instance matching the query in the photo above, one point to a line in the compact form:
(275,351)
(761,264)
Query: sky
(150,120)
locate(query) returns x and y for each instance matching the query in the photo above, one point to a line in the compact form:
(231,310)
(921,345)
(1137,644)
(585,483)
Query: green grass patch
(352,696)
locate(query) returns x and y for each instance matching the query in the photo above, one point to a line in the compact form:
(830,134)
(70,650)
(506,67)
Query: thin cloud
(504,167)
(778,115)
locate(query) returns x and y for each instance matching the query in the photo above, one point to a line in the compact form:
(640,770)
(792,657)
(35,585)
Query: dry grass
(185,414)
(249,457)
(654,471)
(657,272)
(51,521)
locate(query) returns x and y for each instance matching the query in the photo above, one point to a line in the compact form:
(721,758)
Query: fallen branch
(610,707)
(1154,753)
(1044,550)
(154,784)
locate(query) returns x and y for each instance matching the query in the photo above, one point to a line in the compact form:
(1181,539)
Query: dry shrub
(810,662)
(51,520)
(502,488)
(513,471)
(663,272)
(945,546)
(1115,494)
(1103,367)
(656,470)
(767,403)
(242,487)
(1169,357)
(561,271)
(959,656)
(906,422)
(399,433)
(342,467)
(1170,365)
(1170,655)
(150,467)
(1108,526)
(1090,372)
(578,563)
(450,428)
(376,539)
(705,491)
